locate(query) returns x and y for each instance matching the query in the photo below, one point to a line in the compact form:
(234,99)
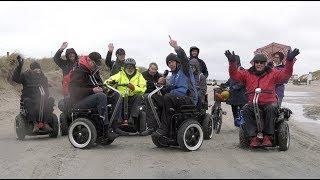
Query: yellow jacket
(137,81)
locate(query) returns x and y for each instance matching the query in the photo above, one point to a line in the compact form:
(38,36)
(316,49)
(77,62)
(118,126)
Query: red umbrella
(272,48)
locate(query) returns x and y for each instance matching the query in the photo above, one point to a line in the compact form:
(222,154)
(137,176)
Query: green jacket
(137,81)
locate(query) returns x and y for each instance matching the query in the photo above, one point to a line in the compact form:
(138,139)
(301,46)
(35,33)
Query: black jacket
(114,66)
(203,66)
(31,82)
(82,83)
(150,80)
(237,93)
(65,65)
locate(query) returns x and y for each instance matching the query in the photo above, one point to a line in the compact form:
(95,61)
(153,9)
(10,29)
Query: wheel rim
(80,134)
(288,137)
(193,136)
(218,122)
(211,127)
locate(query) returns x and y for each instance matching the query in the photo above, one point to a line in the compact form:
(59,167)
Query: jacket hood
(84,62)
(195,62)
(193,48)
(71,50)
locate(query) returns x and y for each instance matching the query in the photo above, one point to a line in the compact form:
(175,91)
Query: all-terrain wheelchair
(281,137)
(189,126)
(24,125)
(87,127)
(138,125)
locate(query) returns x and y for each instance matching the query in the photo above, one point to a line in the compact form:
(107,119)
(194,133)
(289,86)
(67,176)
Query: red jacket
(266,82)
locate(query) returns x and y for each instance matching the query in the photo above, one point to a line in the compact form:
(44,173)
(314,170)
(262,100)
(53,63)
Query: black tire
(243,140)
(63,125)
(190,135)
(283,134)
(156,141)
(20,127)
(207,126)
(106,142)
(82,126)
(55,126)
(142,121)
(217,121)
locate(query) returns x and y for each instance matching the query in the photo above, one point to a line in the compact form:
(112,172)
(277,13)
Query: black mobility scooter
(24,125)
(281,137)
(186,129)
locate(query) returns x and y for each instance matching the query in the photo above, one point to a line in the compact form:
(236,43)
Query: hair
(153,64)
(281,55)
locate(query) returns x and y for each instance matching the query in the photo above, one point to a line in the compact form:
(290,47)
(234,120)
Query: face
(37,70)
(172,65)
(129,70)
(92,64)
(276,59)
(72,56)
(121,57)
(153,70)
(194,53)
(260,65)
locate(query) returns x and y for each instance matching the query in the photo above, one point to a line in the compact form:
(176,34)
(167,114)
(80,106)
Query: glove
(131,87)
(292,54)
(20,60)
(231,57)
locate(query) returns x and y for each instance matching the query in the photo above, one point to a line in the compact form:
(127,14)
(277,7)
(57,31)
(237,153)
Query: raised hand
(292,54)
(110,47)
(173,43)
(63,46)
(228,55)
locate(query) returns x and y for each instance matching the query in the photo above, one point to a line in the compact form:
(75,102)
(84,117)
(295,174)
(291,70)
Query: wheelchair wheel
(190,135)
(207,126)
(156,141)
(82,133)
(243,141)
(283,136)
(142,121)
(217,120)
(20,127)
(55,126)
(63,125)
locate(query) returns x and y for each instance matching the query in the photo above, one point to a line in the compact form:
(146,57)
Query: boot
(35,128)
(255,142)
(266,141)
(47,127)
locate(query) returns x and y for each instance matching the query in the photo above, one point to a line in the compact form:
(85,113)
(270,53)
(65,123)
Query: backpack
(66,81)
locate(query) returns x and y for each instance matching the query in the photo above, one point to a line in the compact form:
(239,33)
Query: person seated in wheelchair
(86,91)
(180,91)
(34,83)
(260,76)
(201,84)
(130,83)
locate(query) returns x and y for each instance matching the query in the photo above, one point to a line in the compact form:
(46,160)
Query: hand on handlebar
(97,90)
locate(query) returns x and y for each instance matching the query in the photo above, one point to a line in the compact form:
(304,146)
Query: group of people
(83,86)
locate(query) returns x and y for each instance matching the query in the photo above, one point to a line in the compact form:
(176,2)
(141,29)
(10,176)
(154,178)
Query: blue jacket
(182,82)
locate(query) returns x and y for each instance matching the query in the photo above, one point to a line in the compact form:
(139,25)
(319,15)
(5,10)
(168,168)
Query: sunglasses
(259,62)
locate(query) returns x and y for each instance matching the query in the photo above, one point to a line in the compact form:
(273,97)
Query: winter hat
(35,65)
(120,51)
(260,58)
(173,57)
(96,57)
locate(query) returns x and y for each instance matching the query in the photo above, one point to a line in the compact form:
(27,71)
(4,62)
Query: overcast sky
(37,29)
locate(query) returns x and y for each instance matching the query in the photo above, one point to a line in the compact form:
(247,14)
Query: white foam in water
(297,113)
